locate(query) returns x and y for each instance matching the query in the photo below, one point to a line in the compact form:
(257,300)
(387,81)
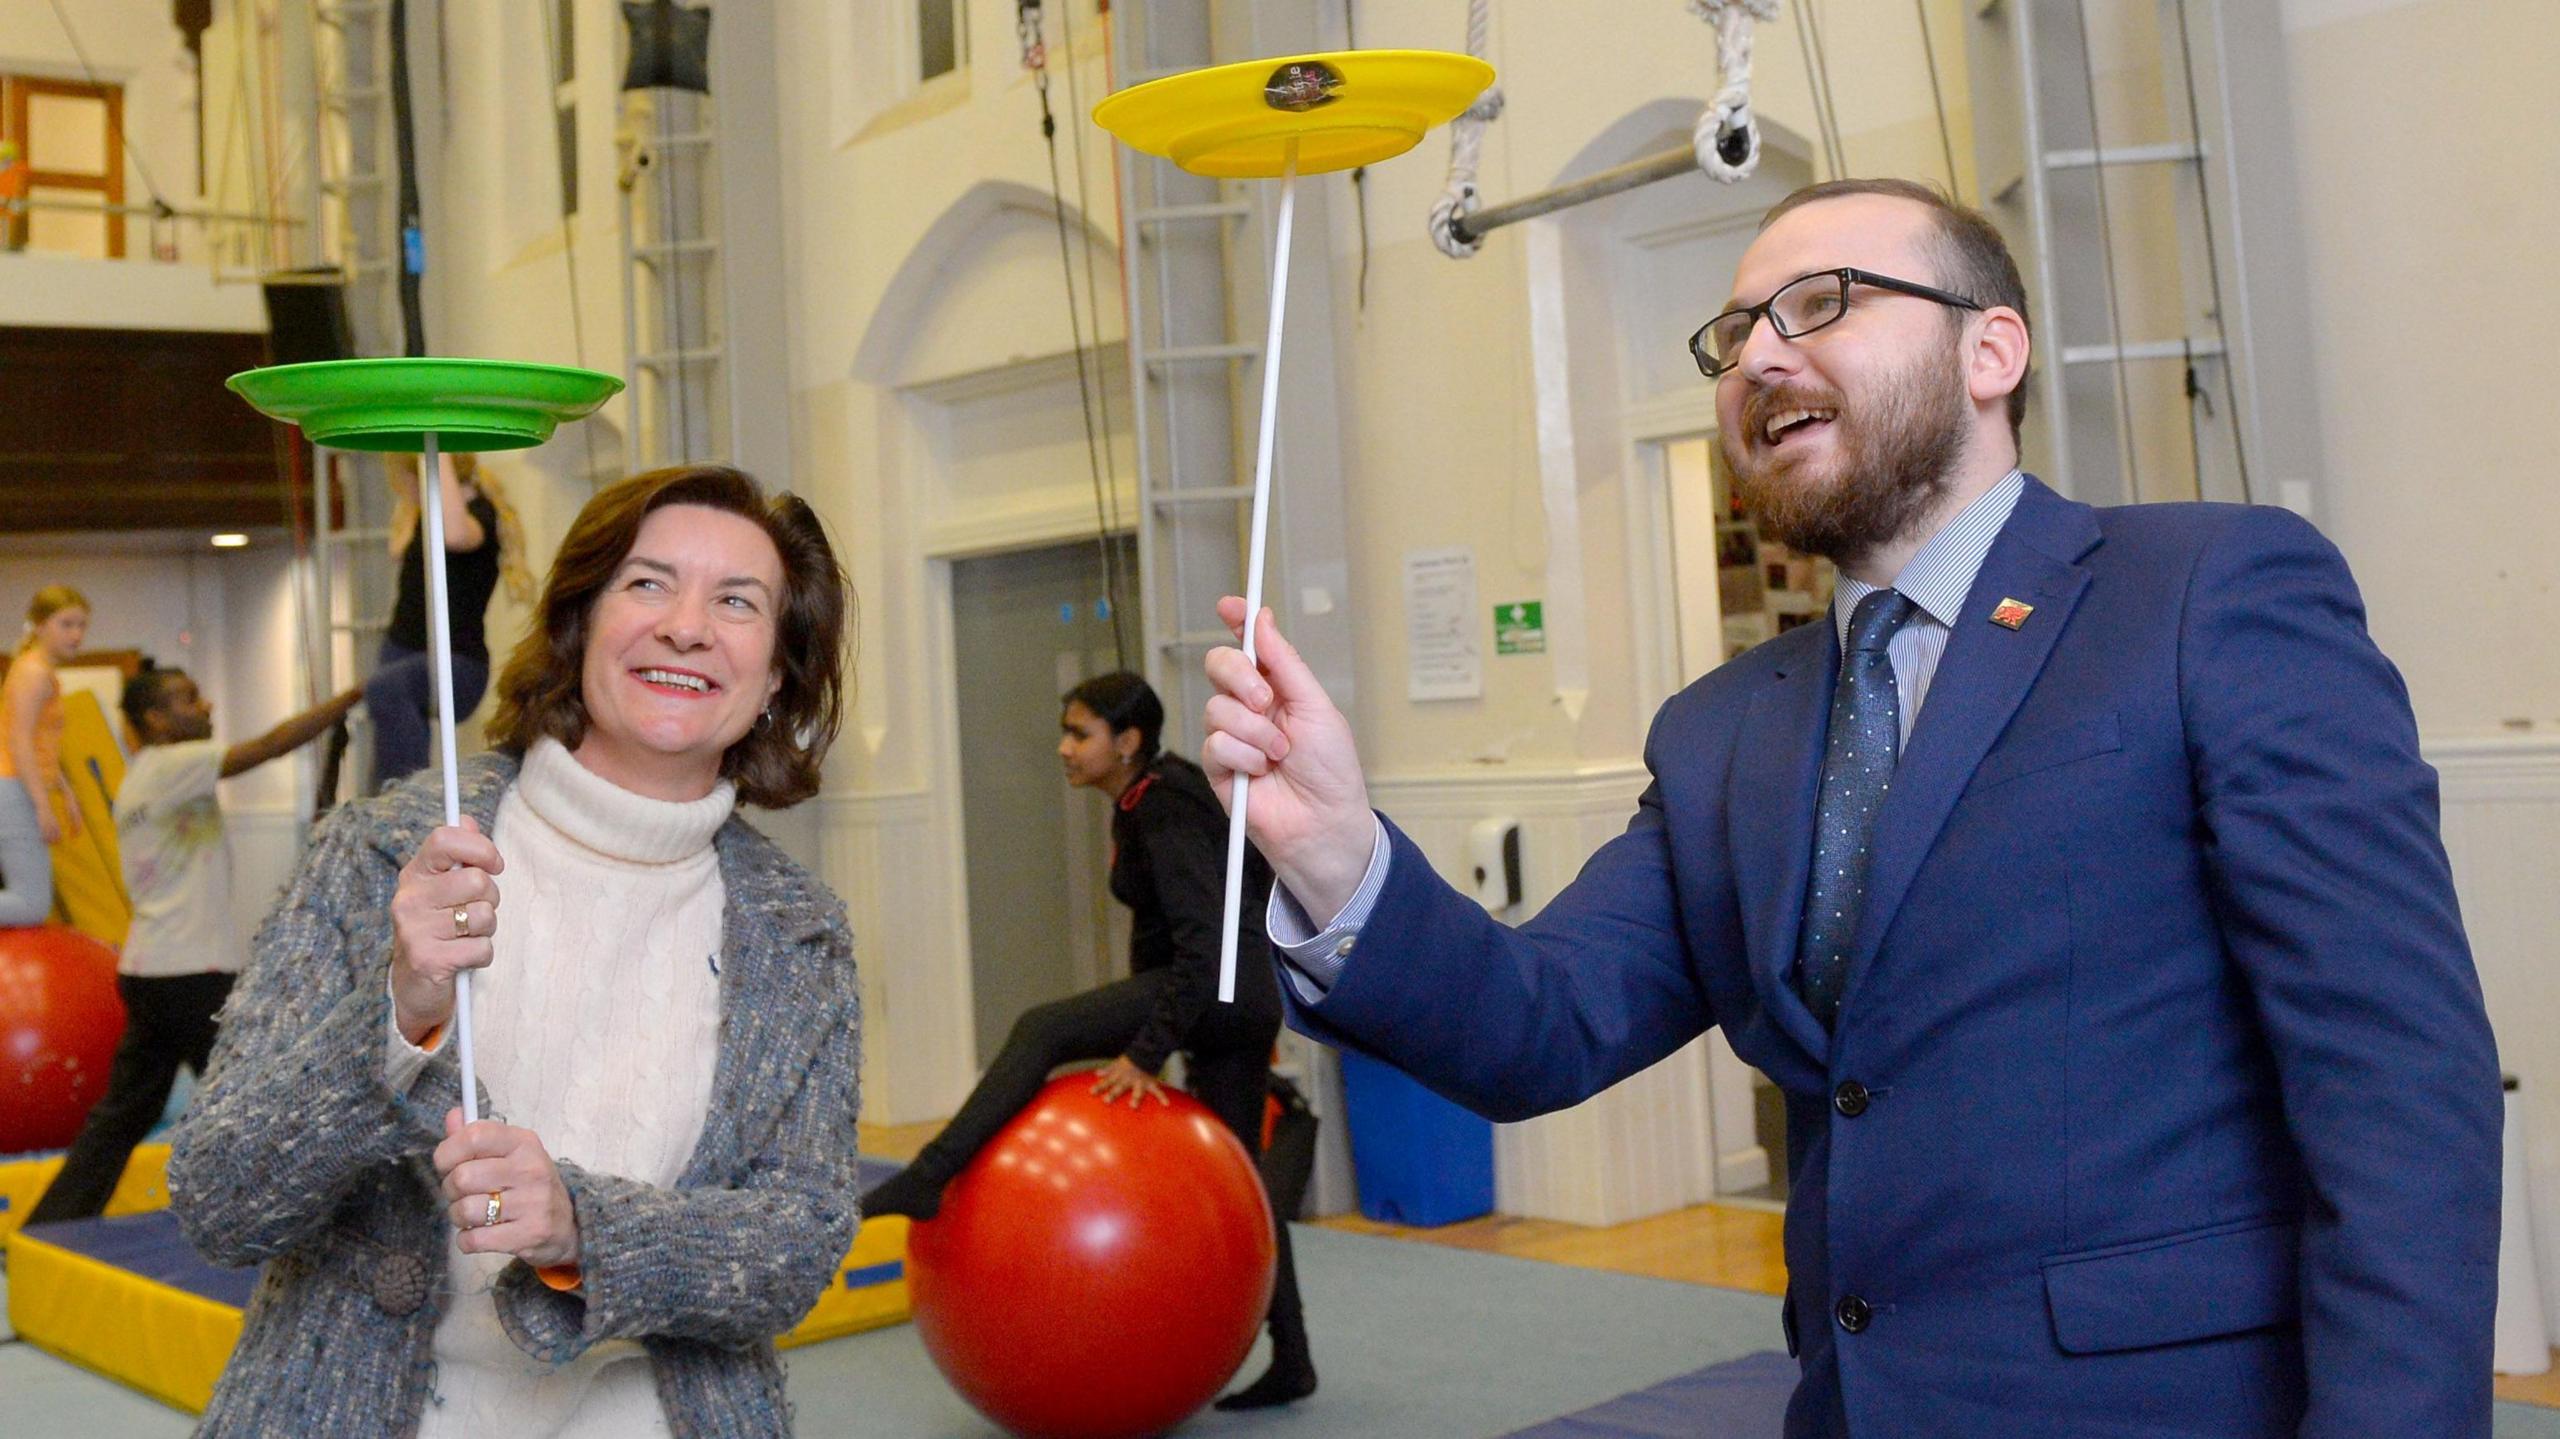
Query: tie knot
(1873,622)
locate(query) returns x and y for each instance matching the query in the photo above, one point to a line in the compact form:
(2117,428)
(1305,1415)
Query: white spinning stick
(440,650)
(1253,566)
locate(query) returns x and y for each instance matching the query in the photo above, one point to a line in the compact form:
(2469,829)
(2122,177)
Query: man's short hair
(145,693)
(1973,260)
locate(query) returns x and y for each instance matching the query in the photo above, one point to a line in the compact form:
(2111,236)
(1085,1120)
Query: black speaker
(307,317)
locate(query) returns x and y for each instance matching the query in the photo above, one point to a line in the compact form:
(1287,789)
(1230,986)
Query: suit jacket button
(1850,1099)
(1853,1314)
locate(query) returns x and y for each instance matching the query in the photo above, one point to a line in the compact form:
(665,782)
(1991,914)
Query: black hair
(144,693)
(1123,701)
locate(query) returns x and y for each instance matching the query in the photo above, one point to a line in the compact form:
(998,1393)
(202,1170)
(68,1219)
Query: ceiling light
(230,541)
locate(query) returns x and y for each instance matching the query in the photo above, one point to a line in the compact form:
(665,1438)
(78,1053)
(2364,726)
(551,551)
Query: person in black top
(1169,846)
(481,547)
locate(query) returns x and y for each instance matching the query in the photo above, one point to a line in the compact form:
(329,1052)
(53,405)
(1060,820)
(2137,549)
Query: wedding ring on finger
(462,922)
(489,1216)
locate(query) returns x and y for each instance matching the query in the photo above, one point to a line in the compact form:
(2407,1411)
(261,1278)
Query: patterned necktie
(1857,765)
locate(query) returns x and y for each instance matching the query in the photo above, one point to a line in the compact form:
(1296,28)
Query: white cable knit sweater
(596,1027)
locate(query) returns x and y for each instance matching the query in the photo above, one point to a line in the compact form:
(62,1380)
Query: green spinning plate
(395,404)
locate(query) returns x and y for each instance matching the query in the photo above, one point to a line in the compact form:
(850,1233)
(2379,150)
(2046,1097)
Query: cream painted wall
(2429,149)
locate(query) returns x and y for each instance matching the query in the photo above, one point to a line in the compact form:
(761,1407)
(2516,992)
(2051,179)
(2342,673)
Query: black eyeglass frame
(1847,276)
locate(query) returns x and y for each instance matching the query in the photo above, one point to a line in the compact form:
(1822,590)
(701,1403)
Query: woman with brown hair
(668,1018)
(484,547)
(36,810)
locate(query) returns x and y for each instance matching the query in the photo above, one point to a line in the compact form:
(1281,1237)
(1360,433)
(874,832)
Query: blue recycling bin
(1418,1158)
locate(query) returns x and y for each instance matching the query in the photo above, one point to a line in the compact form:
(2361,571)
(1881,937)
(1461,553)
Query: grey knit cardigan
(296,1154)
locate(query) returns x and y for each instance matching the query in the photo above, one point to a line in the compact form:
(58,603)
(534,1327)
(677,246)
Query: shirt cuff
(403,1062)
(1313,958)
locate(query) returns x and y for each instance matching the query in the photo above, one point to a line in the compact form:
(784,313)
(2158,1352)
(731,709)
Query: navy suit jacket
(2162,1101)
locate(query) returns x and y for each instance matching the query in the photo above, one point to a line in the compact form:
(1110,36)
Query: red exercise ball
(1097,1272)
(60,1019)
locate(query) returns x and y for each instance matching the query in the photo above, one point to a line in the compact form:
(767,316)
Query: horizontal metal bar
(1200,495)
(689,140)
(2144,350)
(1195,640)
(1617,178)
(673,247)
(83,207)
(372,535)
(1173,214)
(345,99)
(661,359)
(1200,354)
(363,180)
(2116,155)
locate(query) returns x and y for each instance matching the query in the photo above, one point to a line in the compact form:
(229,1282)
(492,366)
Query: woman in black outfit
(1169,845)
(481,547)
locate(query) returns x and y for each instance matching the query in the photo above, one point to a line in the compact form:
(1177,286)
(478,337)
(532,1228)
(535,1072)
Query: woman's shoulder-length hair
(778,763)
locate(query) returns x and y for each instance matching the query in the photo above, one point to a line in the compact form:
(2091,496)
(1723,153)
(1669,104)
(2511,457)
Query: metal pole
(1635,173)
(440,646)
(1253,569)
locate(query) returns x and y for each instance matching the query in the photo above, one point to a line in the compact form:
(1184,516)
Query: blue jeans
(26,866)
(401,698)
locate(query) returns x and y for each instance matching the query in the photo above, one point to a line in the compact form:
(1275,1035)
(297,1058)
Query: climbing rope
(1726,138)
(1458,198)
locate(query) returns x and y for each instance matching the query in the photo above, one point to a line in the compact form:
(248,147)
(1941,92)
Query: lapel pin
(2011,614)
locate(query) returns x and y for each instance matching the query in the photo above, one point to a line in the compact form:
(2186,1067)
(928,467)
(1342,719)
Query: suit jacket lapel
(1776,780)
(1984,675)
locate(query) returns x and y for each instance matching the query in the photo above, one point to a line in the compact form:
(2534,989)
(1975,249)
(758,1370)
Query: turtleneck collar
(603,816)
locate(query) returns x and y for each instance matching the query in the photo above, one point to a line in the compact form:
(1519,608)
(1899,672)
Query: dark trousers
(168,1021)
(400,698)
(1229,1070)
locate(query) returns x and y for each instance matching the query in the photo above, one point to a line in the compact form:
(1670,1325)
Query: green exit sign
(1520,628)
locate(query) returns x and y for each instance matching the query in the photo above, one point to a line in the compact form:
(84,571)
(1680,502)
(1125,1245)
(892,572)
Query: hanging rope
(560,158)
(1817,81)
(2125,442)
(1727,139)
(2213,279)
(1035,58)
(1458,198)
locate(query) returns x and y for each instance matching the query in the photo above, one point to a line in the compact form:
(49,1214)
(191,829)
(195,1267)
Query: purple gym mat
(151,1246)
(1743,1398)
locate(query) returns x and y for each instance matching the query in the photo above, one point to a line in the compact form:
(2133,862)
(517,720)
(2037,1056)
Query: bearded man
(2080,885)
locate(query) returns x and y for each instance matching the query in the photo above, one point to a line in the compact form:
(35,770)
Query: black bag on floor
(1289,1159)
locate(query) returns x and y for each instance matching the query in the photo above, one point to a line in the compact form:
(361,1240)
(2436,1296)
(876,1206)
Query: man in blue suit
(2080,884)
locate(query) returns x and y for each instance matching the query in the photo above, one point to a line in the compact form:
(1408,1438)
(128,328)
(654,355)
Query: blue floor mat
(1743,1398)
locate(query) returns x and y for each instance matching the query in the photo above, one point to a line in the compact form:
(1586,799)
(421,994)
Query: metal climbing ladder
(1197,255)
(353,579)
(2159,225)
(673,330)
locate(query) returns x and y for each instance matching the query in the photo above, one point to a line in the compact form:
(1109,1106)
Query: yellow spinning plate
(1340,110)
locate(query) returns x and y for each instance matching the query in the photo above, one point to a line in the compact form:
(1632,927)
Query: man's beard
(1892,457)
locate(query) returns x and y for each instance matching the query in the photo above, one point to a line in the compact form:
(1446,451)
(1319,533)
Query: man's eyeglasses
(1801,306)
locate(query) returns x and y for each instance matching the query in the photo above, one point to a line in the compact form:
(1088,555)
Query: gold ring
(489,1216)
(462,922)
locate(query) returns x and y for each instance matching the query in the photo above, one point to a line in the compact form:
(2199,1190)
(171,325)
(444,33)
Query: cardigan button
(399,1283)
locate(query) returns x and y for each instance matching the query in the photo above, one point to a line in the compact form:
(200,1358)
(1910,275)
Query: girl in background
(35,801)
